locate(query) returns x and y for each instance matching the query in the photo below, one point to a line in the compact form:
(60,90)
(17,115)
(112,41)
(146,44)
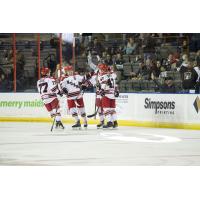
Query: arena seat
(127,69)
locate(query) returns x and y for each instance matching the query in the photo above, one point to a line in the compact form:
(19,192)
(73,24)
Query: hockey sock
(107,114)
(83,115)
(101,115)
(75,117)
(84,120)
(108,117)
(113,115)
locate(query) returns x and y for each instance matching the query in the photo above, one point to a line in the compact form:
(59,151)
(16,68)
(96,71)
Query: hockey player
(92,78)
(48,89)
(99,70)
(108,91)
(92,81)
(71,87)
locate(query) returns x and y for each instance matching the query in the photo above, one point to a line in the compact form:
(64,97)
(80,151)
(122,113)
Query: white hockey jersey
(48,88)
(72,85)
(107,83)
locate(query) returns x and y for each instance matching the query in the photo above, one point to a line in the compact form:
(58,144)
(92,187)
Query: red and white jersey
(101,81)
(48,88)
(107,83)
(94,82)
(72,85)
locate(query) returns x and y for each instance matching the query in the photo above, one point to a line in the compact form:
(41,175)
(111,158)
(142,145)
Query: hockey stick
(59,75)
(53,123)
(54,118)
(95,107)
(95,110)
(94,114)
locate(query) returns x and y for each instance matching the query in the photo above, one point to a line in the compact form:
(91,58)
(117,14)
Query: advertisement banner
(175,108)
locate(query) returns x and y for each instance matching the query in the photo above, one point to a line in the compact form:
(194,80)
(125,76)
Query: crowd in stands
(143,62)
(6,76)
(139,58)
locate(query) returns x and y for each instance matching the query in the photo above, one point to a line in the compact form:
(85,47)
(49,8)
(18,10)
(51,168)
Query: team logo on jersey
(197,104)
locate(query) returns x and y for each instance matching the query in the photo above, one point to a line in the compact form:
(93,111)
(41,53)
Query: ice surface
(34,144)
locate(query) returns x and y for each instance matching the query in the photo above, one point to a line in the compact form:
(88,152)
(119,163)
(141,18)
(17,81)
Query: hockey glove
(60,93)
(65,91)
(98,86)
(102,92)
(88,76)
(116,93)
(83,87)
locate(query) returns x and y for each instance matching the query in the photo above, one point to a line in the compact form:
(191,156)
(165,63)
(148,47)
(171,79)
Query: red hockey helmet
(68,68)
(45,71)
(103,67)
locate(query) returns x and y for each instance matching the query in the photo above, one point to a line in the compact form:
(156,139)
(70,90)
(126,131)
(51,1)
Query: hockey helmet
(68,68)
(45,71)
(103,67)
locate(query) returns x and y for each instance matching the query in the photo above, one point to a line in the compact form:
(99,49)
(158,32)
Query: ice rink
(33,144)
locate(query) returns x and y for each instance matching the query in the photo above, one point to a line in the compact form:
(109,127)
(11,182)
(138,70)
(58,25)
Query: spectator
(168,85)
(189,77)
(148,46)
(96,47)
(148,62)
(183,62)
(197,58)
(185,47)
(197,69)
(156,68)
(131,46)
(108,60)
(120,49)
(4,83)
(119,61)
(171,62)
(51,62)
(160,66)
(143,72)
(104,54)
(20,62)
(1,71)
(137,59)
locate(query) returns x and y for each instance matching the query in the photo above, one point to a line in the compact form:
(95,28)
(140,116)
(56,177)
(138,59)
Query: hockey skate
(115,124)
(77,125)
(59,125)
(100,125)
(108,125)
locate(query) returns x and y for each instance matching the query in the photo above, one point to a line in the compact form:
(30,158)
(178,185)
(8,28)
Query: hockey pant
(77,106)
(100,108)
(109,110)
(54,109)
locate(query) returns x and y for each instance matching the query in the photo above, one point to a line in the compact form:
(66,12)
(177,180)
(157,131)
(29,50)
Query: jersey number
(43,87)
(111,82)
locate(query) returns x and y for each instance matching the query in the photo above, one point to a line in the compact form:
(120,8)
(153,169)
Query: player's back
(107,83)
(72,84)
(47,88)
